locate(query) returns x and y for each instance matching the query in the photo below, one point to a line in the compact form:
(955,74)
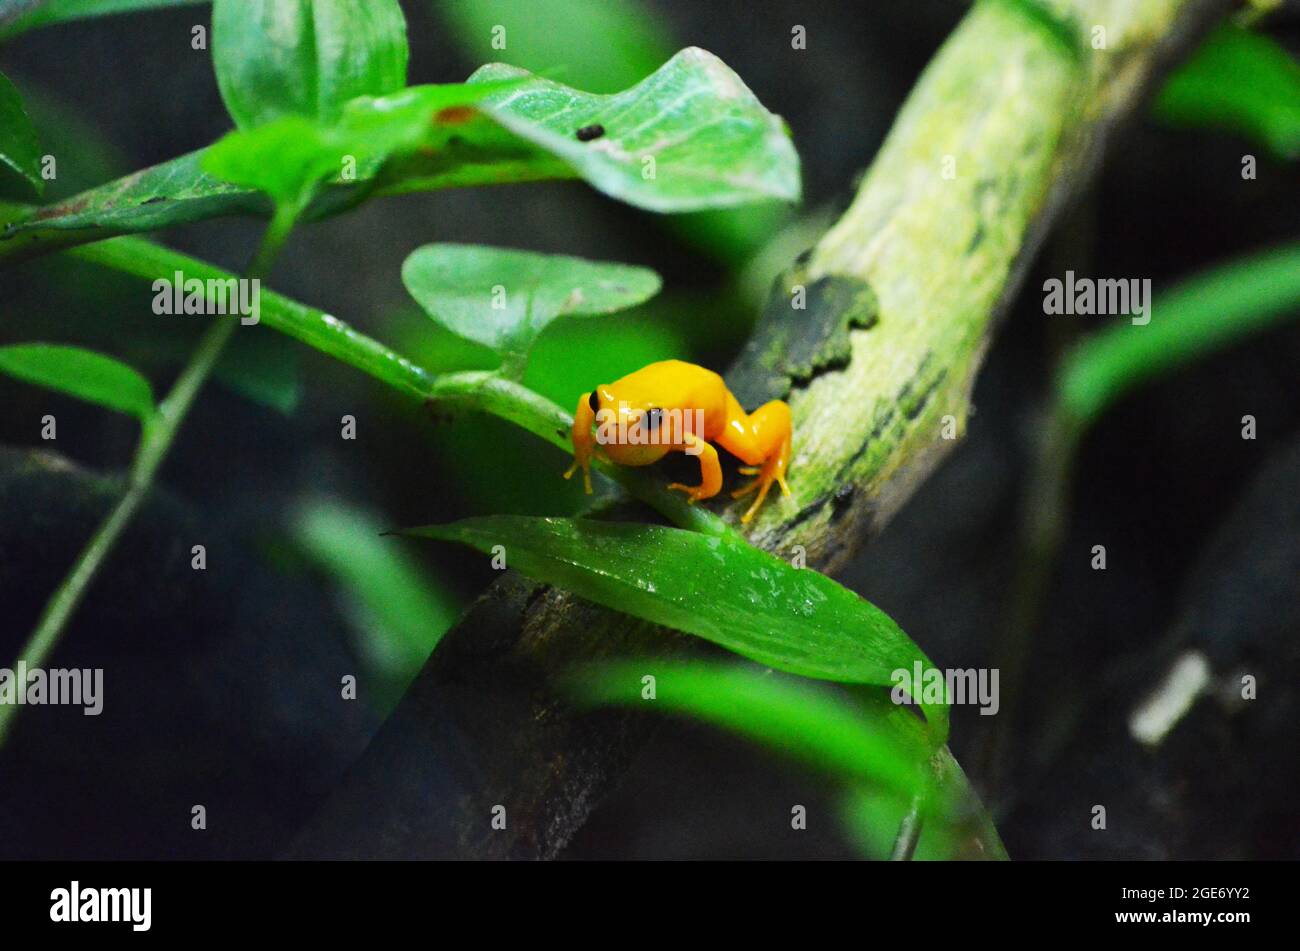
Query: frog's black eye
(593,400)
(653,418)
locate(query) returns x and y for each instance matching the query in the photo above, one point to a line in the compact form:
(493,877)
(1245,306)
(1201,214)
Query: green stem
(488,392)
(156,439)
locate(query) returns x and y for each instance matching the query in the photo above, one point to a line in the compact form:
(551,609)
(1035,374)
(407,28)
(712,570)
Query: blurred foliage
(64,129)
(871,750)
(603,45)
(277,58)
(19,150)
(1203,314)
(18,16)
(1240,81)
(400,609)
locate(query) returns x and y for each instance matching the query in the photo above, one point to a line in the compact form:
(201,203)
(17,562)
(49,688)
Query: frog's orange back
(669,384)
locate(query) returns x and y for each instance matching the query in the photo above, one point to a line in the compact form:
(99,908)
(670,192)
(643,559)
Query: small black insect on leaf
(589,132)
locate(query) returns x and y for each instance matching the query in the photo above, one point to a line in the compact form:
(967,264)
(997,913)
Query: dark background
(223,684)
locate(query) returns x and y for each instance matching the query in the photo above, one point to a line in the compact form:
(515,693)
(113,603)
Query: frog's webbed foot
(772,470)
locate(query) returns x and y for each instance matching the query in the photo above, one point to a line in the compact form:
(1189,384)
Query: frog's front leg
(583,418)
(710,470)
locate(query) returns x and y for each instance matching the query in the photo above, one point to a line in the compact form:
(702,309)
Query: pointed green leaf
(504,299)
(689,136)
(19,149)
(1210,311)
(85,374)
(306,58)
(719,588)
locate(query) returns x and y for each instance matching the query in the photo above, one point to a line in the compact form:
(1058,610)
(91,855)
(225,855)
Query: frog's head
(628,430)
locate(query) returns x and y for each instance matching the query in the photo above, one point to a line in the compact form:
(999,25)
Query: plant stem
(909,833)
(479,390)
(156,438)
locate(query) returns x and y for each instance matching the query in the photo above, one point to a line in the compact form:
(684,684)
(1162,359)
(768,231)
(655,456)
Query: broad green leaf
(504,299)
(402,609)
(1210,311)
(306,58)
(19,149)
(606,45)
(85,374)
(1241,81)
(689,136)
(802,721)
(716,149)
(719,588)
(19,16)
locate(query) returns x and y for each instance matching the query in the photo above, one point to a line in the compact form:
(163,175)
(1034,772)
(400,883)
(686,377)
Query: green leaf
(306,58)
(1240,81)
(689,136)
(504,299)
(19,149)
(873,748)
(286,159)
(794,718)
(19,16)
(605,46)
(1201,315)
(173,193)
(402,609)
(289,157)
(85,374)
(718,149)
(718,588)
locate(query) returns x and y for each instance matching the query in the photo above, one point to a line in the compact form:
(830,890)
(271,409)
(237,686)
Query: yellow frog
(673,406)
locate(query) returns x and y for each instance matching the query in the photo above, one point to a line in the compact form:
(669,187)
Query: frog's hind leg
(762,440)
